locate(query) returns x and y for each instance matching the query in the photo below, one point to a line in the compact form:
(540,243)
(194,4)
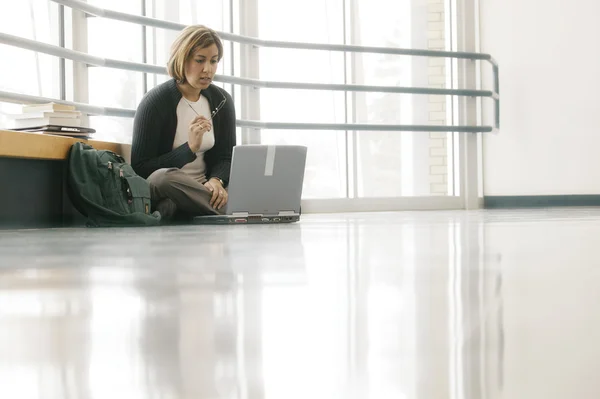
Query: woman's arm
(145,147)
(221,167)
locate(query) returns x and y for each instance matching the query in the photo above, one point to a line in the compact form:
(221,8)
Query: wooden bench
(32,170)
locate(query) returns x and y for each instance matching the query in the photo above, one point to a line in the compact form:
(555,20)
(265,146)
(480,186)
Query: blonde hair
(190,39)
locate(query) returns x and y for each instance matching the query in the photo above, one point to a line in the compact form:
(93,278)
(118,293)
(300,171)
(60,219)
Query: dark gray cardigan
(154,128)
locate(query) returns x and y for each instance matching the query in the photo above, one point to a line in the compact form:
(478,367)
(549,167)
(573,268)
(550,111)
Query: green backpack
(106,190)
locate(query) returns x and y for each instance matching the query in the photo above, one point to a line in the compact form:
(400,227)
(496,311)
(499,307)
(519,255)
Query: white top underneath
(185,115)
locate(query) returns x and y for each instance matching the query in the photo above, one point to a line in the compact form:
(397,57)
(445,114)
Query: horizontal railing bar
(148,68)
(46,48)
(135,66)
(157,23)
(85,108)
(130,113)
(364,127)
(352,87)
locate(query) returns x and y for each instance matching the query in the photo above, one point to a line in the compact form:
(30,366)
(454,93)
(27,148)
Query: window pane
(325,175)
(205,12)
(113,129)
(30,19)
(211,13)
(401,163)
(108,86)
(33,73)
(130,7)
(6,110)
(302,106)
(114,87)
(326,171)
(316,21)
(301,66)
(124,90)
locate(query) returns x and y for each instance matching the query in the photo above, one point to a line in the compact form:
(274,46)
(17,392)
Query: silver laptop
(265,185)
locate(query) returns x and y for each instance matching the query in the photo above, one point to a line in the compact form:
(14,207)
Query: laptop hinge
(287,213)
(240,214)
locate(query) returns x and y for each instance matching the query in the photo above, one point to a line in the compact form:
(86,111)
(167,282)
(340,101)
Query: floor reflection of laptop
(265,185)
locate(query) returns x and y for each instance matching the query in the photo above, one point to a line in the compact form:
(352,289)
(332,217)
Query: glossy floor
(427,305)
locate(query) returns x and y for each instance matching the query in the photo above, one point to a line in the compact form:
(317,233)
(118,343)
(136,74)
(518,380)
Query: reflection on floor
(427,305)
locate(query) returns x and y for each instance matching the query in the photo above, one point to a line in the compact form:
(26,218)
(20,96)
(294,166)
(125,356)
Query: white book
(60,114)
(47,107)
(35,122)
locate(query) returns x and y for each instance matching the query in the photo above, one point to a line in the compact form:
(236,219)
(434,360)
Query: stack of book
(51,118)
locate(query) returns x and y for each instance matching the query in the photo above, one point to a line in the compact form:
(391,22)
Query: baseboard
(540,201)
(34,196)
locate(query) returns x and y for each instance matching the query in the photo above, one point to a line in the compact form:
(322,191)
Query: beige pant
(191,197)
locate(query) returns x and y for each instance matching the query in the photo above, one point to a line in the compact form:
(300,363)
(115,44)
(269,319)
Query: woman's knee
(161,178)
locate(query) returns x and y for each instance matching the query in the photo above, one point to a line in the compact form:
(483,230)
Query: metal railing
(148,68)
(86,108)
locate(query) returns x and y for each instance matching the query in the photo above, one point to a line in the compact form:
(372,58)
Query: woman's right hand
(198,127)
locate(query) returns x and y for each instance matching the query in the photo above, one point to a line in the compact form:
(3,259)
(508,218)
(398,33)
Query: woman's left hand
(219,194)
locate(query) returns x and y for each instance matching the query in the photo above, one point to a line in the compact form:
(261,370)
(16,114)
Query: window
(213,14)
(359,164)
(124,89)
(111,87)
(35,73)
(340,164)
(394,164)
(326,170)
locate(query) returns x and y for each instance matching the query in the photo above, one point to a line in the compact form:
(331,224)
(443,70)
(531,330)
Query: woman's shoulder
(163,94)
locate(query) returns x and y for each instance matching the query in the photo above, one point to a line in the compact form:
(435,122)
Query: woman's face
(201,67)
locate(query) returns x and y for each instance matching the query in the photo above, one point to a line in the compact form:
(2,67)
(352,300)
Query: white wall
(549,57)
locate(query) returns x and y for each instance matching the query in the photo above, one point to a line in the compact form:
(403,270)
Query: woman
(184,130)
